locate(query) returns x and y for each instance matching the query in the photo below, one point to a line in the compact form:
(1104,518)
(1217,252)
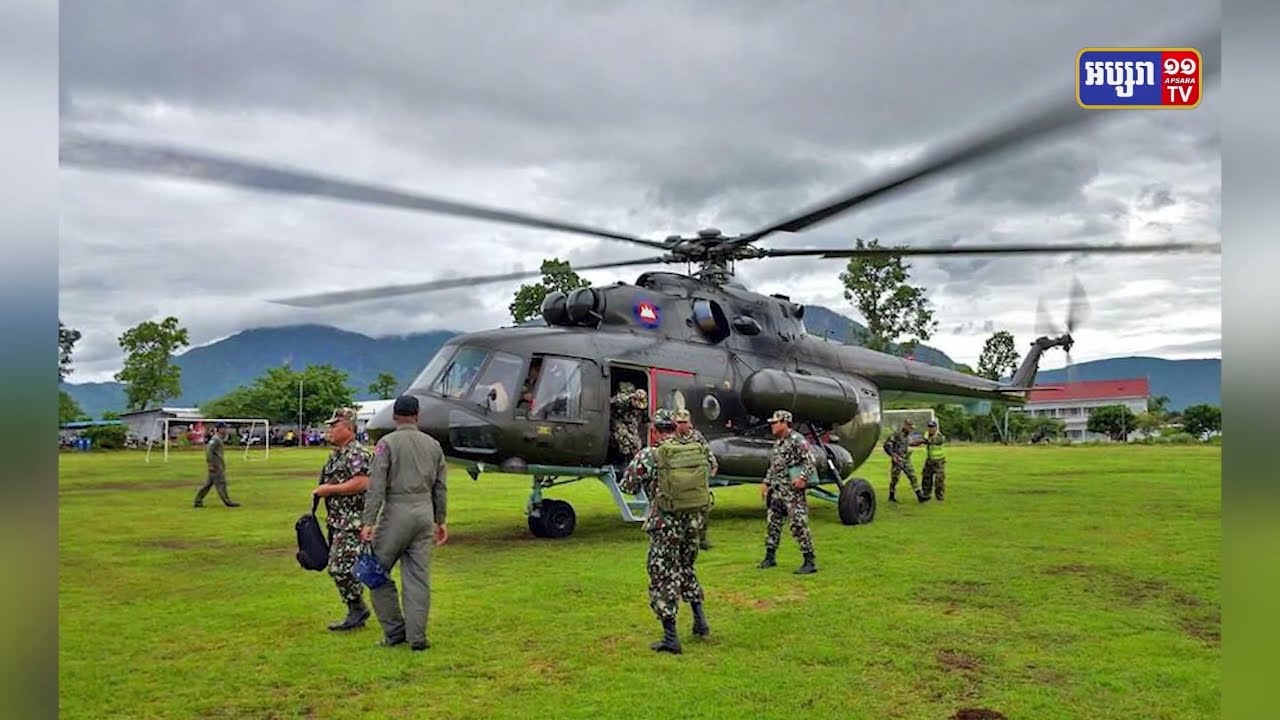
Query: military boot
(808,566)
(892,499)
(921,496)
(357,613)
(670,642)
(700,626)
(769,558)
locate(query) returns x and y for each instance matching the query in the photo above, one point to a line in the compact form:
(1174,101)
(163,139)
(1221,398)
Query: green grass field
(1052,583)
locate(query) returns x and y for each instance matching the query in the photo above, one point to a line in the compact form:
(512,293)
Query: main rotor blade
(385,291)
(1052,113)
(986,250)
(1078,310)
(1044,324)
(105,154)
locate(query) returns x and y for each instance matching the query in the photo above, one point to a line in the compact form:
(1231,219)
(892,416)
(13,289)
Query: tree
(274,396)
(1115,421)
(67,338)
(384,386)
(1149,423)
(68,409)
(1158,405)
(556,275)
(148,374)
(1201,419)
(998,355)
(877,286)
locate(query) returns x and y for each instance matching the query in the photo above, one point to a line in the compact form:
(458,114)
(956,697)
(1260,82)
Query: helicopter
(536,399)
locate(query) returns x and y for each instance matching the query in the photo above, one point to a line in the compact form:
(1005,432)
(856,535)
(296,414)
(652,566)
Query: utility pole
(299,433)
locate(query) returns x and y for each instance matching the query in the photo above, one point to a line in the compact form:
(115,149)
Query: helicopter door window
(559,391)
(423,381)
(497,386)
(461,372)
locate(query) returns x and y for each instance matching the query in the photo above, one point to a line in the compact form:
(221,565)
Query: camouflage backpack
(683,472)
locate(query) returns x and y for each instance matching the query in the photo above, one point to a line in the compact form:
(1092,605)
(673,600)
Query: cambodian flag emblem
(647,314)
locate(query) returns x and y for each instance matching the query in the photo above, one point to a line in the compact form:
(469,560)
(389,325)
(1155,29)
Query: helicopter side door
(669,389)
(559,416)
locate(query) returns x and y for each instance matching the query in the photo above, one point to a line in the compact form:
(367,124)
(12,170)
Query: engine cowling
(811,398)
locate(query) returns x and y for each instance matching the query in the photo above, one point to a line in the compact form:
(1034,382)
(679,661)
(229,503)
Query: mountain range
(212,370)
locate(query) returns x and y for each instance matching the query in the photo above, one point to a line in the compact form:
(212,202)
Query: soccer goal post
(249,443)
(893,419)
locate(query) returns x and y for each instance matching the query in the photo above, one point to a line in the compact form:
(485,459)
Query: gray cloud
(646,118)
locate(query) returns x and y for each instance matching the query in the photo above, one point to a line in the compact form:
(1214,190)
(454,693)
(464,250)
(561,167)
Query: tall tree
(149,373)
(67,338)
(384,386)
(877,286)
(556,275)
(1117,421)
(998,355)
(68,409)
(1201,419)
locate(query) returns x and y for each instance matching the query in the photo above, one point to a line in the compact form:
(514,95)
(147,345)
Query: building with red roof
(1073,402)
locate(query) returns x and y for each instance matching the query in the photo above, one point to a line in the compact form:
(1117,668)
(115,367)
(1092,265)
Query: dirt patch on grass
(956,595)
(978,714)
(741,600)
(1194,617)
(957,661)
(1203,626)
(1046,676)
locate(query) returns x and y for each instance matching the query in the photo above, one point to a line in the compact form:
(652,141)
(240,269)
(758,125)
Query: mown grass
(1052,583)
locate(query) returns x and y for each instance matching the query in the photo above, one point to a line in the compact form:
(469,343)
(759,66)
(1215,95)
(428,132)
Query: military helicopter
(536,400)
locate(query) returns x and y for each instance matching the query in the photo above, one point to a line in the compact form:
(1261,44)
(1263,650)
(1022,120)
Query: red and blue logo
(1139,78)
(647,314)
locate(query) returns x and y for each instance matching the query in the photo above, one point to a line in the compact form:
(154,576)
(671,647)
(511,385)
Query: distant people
(404,512)
(343,481)
(784,491)
(627,409)
(933,477)
(686,431)
(898,447)
(217,468)
(673,473)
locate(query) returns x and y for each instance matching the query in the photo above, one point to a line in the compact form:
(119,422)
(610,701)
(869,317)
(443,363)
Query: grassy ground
(1052,583)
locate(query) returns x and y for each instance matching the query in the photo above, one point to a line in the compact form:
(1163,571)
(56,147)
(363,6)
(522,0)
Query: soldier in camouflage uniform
(686,430)
(898,448)
(673,542)
(934,474)
(628,408)
(342,484)
(784,490)
(216,465)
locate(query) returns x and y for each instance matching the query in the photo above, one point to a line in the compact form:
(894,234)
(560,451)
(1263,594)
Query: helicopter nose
(432,419)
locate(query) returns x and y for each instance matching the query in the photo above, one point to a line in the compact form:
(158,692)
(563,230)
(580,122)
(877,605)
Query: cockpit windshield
(432,371)
(461,372)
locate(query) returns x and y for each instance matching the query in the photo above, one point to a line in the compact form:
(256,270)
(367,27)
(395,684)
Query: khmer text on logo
(1138,78)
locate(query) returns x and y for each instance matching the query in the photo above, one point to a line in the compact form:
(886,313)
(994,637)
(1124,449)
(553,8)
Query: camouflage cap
(681,415)
(640,395)
(342,413)
(662,418)
(932,423)
(781,416)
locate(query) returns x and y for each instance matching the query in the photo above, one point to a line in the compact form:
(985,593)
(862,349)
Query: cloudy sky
(648,118)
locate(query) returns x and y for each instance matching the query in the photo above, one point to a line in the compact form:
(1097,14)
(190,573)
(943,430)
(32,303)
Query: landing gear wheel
(537,527)
(857,502)
(558,519)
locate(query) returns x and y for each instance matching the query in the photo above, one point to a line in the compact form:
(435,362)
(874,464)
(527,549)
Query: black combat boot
(921,496)
(892,499)
(670,642)
(808,566)
(700,626)
(357,613)
(769,558)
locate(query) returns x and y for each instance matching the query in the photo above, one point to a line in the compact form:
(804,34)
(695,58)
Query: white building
(1073,403)
(147,425)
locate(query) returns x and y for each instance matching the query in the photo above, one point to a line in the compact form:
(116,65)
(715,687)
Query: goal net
(251,434)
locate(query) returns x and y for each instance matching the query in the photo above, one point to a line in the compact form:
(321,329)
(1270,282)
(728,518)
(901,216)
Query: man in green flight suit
(217,468)
(406,503)
(673,473)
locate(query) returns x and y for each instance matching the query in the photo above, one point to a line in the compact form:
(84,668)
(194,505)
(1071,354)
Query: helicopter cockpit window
(496,388)
(559,391)
(461,372)
(423,381)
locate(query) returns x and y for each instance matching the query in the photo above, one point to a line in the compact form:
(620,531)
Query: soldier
(934,474)
(628,407)
(342,484)
(783,491)
(406,502)
(217,468)
(898,447)
(686,431)
(673,473)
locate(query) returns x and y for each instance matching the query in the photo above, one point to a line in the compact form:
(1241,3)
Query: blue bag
(369,571)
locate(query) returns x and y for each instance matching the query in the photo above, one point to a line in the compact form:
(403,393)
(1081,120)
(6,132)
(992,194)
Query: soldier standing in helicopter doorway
(686,431)
(627,409)
(784,491)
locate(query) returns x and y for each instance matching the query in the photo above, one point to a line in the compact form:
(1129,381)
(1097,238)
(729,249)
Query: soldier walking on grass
(673,473)
(343,481)
(217,468)
(686,431)
(898,447)
(784,491)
